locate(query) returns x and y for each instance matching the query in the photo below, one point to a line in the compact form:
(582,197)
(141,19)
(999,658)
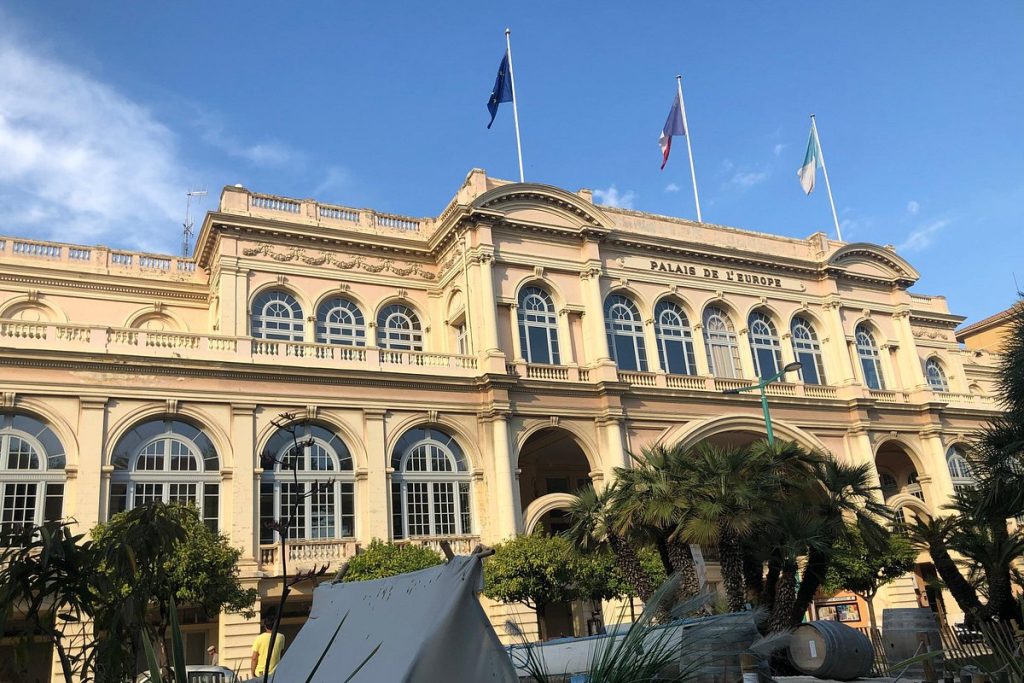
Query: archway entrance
(553,468)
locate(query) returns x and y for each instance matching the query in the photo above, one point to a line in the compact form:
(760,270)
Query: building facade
(458,377)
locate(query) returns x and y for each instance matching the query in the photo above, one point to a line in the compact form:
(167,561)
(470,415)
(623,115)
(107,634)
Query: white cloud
(266,153)
(672,187)
(913,207)
(921,238)
(81,161)
(748,179)
(611,197)
(777,149)
(335,182)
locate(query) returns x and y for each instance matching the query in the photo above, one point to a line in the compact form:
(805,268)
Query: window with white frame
(307,472)
(675,339)
(720,340)
(430,486)
(959,469)
(807,351)
(870,363)
(31,473)
(166,461)
(899,521)
(461,338)
(936,375)
(277,315)
(538,326)
(625,332)
(339,321)
(398,329)
(764,345)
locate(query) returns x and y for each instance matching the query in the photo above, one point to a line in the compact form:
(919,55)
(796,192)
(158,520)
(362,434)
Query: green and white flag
(812,160)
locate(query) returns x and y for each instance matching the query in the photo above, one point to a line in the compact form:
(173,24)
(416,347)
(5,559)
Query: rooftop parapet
(99,260)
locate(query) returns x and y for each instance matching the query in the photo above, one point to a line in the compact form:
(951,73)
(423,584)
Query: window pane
(417,498)
(293,507)
(625,353)
(267,534)
(809,369)
(53,506)
(398,530)
(871,376)
(444,508)
(467,527)
(118,498)
(538,351)
(19,507)
(211,505)
(321,513)
(766,362)
(348,511)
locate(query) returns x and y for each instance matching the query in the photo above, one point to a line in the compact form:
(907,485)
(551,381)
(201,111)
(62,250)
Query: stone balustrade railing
(99,259)
(311,211)
(304,555)
(460,545)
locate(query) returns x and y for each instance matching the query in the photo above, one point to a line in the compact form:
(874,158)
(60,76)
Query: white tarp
(429,625)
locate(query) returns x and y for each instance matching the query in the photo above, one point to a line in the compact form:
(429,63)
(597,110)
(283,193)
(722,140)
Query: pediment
(541,205)
(873,262)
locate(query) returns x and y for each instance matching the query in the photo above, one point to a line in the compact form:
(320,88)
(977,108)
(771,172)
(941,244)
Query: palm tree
(797,531)
(727,489)
(934,535)
(592,527)
(650,500)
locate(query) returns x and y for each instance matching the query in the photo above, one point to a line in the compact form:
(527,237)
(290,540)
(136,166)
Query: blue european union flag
(502,91)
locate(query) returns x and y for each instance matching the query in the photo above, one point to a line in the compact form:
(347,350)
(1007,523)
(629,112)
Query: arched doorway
(552,468)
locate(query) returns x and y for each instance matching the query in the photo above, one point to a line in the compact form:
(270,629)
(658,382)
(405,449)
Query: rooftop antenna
(189,223)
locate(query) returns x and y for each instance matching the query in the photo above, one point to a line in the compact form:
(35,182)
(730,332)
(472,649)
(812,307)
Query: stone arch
(537,204)
(692,315)
(906,446)
(582,439)
(905,500)
(868,261)
(692,433)
(550,502)
(634,295)
(48,313)
(188,413)
(140,317)
(354,443)
(304,303)
(469,443)
(337,293)
(773,314)
(38,409)
(545,283)
(552,465)
(419,310)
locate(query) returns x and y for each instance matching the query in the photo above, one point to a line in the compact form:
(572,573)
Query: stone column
(892,381)
(700,351)
(565,349)
(373,487)
(593,317)
(841,370)
(613,447)
(517,344)
(910,364)
(488,312)
(507,517)
(939,489)
(747,369)
(88,480)
(651,342)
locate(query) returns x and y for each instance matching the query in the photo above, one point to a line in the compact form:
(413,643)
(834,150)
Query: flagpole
(824,171)
(689,150)
(515,104)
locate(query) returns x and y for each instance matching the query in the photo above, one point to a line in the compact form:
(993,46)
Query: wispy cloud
(266,153)
(913,207)
(612,197)
(778,148)
(922,237)
(672,187)
(81,161)
(748,179)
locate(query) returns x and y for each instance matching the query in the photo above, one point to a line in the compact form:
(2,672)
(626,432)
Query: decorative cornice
(341,261)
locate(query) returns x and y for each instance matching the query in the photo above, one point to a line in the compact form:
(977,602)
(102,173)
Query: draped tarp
(429,626)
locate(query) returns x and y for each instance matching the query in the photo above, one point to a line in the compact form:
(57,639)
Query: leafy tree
(151,555)
(538,570)
(863,567)
(380,560)
(48,578)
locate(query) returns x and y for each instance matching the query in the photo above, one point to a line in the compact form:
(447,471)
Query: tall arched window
(31,474)
(867,351)
(807,351)
(398,329)
(675,339)
(538,326)
(764,344)
(318,456)
(625,333)
(936,376)
(720,340)
(339,321)
(167,461)
(959,469)
(277,315)
(430,486)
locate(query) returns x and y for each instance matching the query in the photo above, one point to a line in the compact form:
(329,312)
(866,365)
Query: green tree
(48,578)
(151,555)
(538,570)
(380,560)
(863,567)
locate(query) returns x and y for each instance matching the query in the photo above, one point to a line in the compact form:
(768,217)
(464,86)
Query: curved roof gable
(541,205)
(865,261)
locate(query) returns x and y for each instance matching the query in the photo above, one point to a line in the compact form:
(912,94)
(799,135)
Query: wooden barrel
(829,649)
(904,629)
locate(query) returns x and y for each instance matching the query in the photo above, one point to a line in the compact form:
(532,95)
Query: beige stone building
(465,373)
(988,334)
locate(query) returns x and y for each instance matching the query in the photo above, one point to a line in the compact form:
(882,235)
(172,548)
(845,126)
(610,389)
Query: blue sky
(110,112)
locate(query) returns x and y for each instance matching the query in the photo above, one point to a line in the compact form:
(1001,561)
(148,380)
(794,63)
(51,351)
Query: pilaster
(242,526)
(700,351)
(375,489)
(747,369)
(910,364)
(85,480)
(836,345)
(505,506)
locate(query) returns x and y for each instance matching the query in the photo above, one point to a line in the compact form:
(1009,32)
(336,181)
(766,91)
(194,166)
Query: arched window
(398,329)
(295,463)
(31,474)
(867,351)
(277,315)
(888,484)
(959,469)
(899,521)
(936,376)
(807,351)
(167,461)
(339,321)
(625,333)
(675,340)
(430,485)
(538,326)
(720,340)
(764,345)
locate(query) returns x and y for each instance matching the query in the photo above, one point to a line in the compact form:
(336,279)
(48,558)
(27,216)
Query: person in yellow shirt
(263,655)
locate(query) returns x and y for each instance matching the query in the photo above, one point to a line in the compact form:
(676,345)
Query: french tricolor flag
(673,126)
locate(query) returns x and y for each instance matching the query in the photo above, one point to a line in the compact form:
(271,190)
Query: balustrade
(641,379)
(460,545)
(686,382)
(307,554)
(259,201)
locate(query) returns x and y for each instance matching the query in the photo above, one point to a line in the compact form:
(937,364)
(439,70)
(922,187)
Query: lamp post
(791,367)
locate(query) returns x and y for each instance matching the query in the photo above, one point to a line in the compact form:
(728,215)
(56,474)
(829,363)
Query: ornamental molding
(929,333)
(340,261)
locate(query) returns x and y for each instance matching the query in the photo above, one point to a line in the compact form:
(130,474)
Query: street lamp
(790,367)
